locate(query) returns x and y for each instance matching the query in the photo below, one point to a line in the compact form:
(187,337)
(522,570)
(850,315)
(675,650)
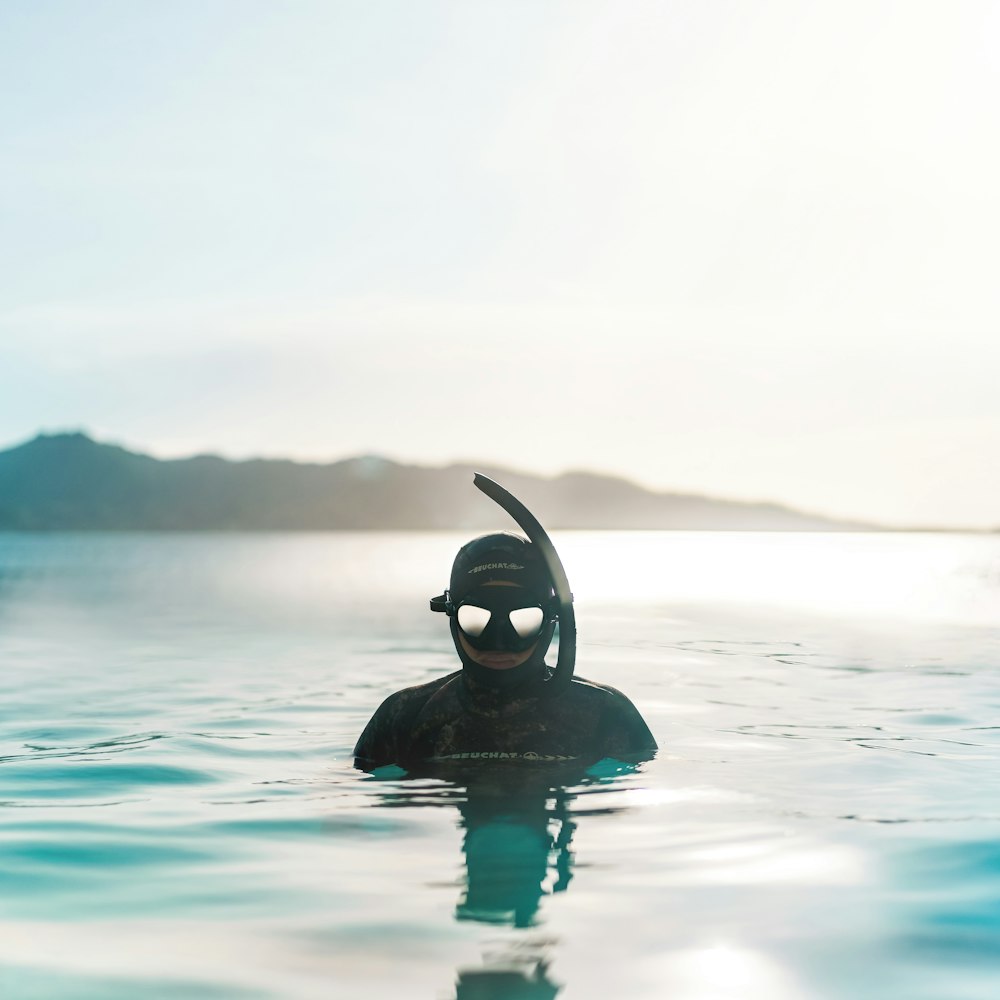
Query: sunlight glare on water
(938,577)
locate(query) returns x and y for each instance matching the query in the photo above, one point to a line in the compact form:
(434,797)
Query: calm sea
(180,817)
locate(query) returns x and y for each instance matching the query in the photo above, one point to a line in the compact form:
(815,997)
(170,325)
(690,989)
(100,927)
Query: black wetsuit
(455,718)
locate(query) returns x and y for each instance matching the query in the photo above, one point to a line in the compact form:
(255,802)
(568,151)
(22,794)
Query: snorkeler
(504,599)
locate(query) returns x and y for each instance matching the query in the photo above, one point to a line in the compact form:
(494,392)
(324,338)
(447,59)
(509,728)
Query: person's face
(496,659)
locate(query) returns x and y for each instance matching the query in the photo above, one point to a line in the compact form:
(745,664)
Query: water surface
(180,817)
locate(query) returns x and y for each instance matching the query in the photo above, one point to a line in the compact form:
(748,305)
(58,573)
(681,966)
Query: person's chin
(499,661)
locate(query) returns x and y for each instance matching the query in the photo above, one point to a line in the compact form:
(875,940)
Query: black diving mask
(506,619)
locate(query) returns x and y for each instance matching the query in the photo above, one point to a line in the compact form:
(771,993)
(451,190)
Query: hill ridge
(69,481)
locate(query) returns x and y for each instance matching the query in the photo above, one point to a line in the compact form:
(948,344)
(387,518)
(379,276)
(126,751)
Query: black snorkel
(528,523)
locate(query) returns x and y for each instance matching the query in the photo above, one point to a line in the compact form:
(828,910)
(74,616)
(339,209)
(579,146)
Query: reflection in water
(510,845)
(506,984)
(518,825)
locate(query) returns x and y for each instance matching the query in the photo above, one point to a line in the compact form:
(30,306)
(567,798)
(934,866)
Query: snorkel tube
(528,523)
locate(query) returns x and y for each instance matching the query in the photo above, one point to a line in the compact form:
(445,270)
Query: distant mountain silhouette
(71,482)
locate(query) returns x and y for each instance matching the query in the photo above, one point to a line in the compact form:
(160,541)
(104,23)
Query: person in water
(502,705)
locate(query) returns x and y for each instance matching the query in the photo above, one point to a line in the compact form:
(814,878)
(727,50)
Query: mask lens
(473,620)
(527,621)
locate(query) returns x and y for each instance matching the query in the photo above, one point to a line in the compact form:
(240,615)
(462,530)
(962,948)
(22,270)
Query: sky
(741,249)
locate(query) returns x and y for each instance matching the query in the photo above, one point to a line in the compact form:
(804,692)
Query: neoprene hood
(500,556)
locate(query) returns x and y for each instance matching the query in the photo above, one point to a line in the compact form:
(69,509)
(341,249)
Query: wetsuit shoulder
(386,735)
(622,729)
(585,683)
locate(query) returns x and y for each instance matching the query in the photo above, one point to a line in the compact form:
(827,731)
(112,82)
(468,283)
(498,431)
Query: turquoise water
(180,817)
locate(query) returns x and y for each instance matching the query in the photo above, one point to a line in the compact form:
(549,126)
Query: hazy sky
(747,249)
